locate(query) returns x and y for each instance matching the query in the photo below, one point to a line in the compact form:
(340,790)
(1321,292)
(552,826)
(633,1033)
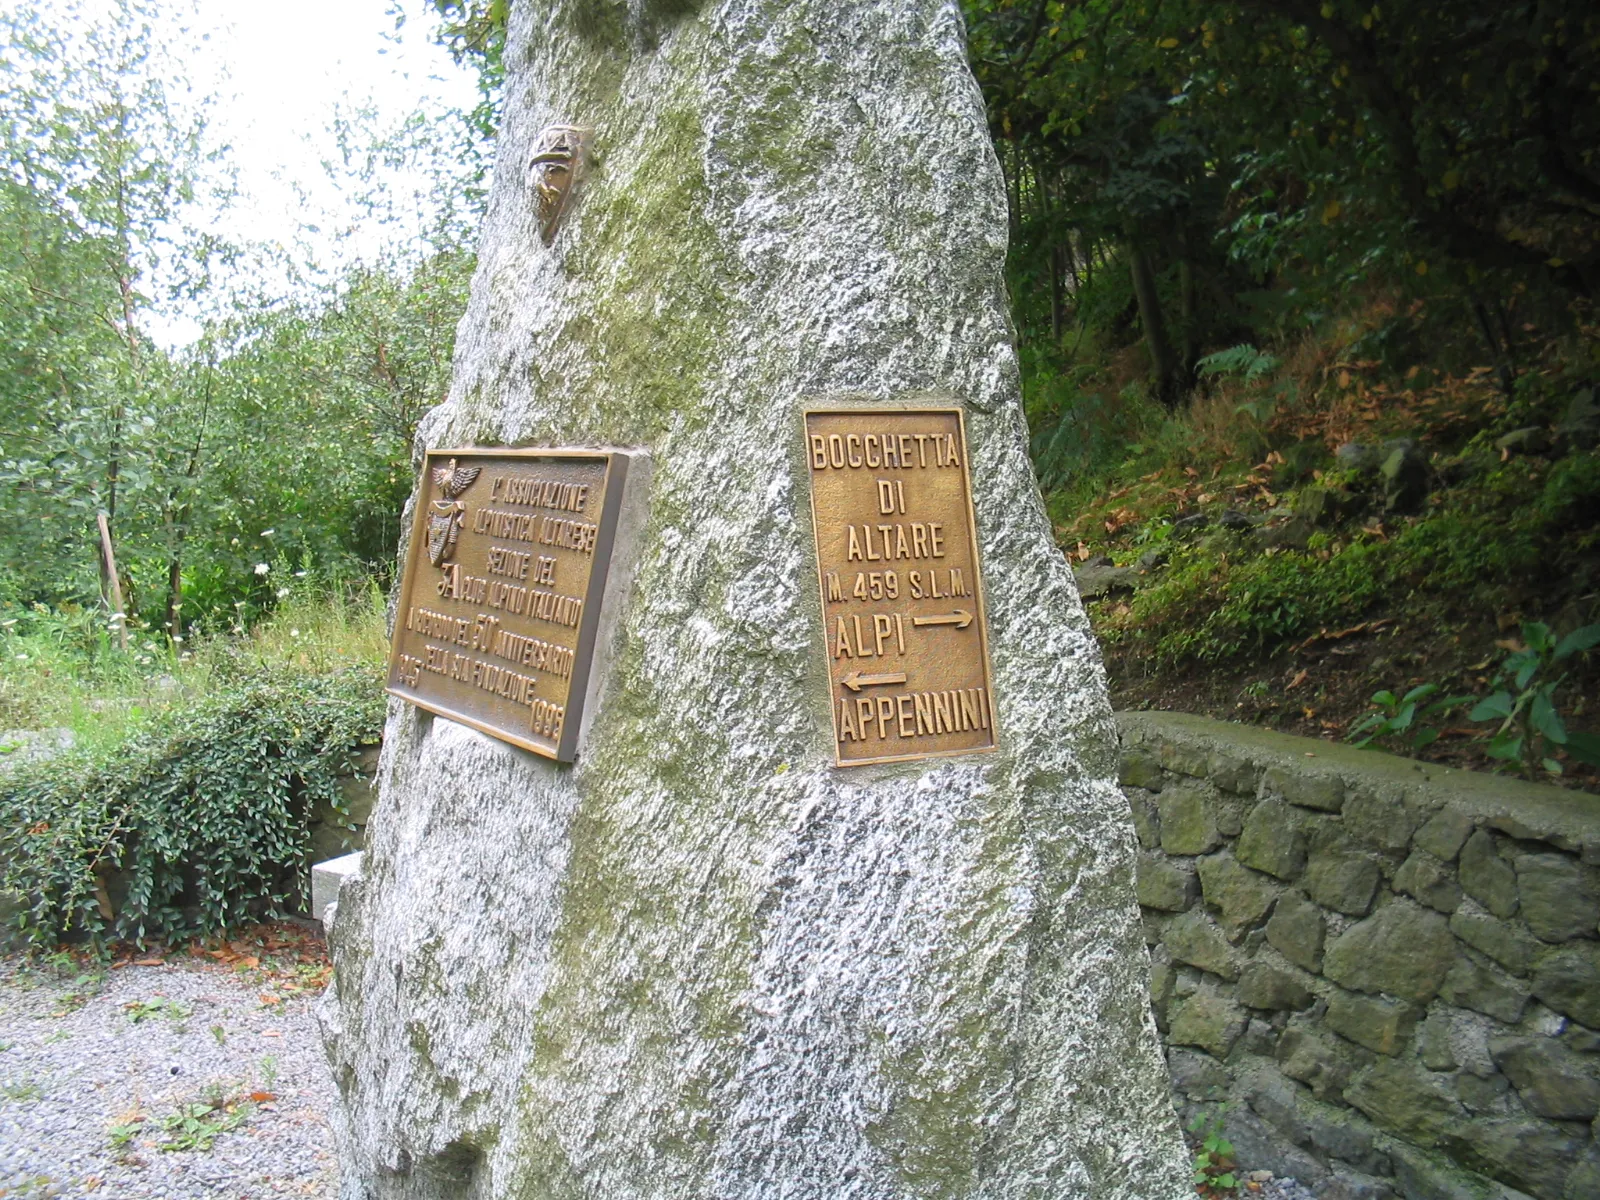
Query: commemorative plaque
(500,602)
(902,604)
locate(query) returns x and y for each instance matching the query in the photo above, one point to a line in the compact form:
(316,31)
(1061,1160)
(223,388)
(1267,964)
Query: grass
(60,670)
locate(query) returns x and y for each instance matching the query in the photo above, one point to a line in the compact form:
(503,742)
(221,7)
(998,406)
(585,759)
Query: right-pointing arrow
(961,618)
(855,681)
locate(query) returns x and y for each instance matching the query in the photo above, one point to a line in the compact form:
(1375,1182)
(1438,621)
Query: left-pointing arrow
(855,681)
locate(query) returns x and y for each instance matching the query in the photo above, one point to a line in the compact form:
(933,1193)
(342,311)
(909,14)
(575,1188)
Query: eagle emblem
(446,514)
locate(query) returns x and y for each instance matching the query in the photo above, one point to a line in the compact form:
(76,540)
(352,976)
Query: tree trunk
(1163,363)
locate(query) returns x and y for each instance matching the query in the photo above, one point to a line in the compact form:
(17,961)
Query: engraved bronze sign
(897,556)
(500,603)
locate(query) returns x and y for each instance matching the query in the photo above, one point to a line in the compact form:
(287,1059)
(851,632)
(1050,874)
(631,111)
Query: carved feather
(454,480)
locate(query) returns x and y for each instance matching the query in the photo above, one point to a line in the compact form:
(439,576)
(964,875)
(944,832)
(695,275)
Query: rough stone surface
(1569,982)
(1487,1087)
(1379,1024)
(1402,949)
(1443,834)
(1380,818)
(1558,895)
(1274,840)
(1487,877)
(1296,931)
(1325,792)
(702,961)
(1401,1097)
(1507,944)
(1341,876)
(1552,1080)
(1241,897)
(1262,985)
(1187,824)
(1164,885)
(1208,1019)
(1194,939)
(1483,989)
(1430,881)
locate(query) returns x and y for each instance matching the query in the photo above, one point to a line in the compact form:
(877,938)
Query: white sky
(280,68)
(277,72)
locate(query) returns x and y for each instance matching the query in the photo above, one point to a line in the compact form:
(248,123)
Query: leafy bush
(202,811)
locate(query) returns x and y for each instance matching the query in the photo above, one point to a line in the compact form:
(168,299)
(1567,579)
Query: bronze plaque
(897,555)
(501,598)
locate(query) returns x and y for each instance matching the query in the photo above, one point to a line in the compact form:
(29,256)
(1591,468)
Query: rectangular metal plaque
(902,604)
(500,603)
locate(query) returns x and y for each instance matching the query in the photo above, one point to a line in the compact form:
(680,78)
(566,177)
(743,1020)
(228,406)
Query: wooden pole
(113,584)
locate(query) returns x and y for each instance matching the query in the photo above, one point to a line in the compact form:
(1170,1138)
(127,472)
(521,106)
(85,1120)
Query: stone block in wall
(1340,874)
(1296,931)
(1434,1042)
(1146,818)
(1321,1063)
(1506,943)
(1277,1102)
(1552,1081)
(1182,758)
(1381,818)
(1402,949)
(1533,1156)
(1197,1075)
(1483,1094)
(1559,896)
(1430,880)
(1254,1141)
(1264,986)
(1241,897)
(1160,883)
(1404,1098)
(1487,877)
(1233,773)
(1424,1175)
(1139,768)
(1583,1181)
(1305,787)
(1273,840)
(1340,1134)
(1192,938)
(1382,1025)
(1483,989)
(1568,980)
(1187,824)
(1208,1018)
(1443,834)
(1163,978)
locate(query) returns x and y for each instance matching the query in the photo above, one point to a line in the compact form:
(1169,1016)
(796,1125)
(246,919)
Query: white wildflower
(262,568)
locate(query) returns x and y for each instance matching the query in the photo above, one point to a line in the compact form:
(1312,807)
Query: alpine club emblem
(446,515)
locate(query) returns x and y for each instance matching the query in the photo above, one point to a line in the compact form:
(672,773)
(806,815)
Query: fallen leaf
(149,962)
(268,998)
(1299,678)
(262,1097)
(1509,644)
(272,1033)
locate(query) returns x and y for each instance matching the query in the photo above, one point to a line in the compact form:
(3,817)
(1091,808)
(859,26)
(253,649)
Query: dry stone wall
(1384,975)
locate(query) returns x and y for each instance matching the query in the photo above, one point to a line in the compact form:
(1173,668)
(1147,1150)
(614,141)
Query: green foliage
(1523,702)
(196,1126)
(138,1011)
(1214,1165)
(1397,716)
(202,811)
(1253,604)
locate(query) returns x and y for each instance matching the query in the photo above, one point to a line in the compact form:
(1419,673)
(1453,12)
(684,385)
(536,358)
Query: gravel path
(88,1061)
(96,1065)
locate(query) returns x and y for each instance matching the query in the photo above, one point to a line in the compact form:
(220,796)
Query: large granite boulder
(703,961)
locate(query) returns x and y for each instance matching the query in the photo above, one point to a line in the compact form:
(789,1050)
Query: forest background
(1304,299)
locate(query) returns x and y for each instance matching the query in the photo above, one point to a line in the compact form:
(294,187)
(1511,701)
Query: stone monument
(834,896)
